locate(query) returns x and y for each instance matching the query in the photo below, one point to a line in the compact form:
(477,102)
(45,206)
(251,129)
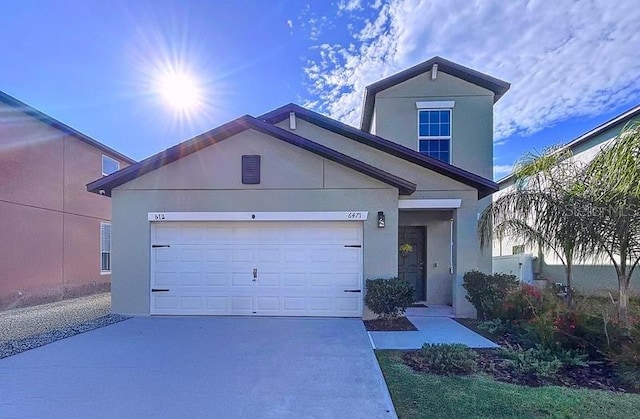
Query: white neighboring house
(598,277)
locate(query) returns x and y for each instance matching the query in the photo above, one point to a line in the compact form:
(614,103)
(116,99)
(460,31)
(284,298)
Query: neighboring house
(55,236)
(289,213)
(592,276)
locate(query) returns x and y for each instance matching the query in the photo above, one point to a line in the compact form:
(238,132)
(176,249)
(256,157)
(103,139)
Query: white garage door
(274,268)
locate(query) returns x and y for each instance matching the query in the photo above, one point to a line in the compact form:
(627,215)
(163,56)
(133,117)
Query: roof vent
(434,71)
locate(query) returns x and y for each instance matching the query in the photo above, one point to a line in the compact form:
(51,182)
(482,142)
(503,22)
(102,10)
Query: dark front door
(411,264)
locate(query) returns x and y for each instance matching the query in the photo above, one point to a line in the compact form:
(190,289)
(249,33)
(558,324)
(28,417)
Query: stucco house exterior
(288,213)
(55,235)
(591,276)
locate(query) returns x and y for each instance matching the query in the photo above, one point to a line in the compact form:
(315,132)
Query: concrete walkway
(431,329)
(200,367)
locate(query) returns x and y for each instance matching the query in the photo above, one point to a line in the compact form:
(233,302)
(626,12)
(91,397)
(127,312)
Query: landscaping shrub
(522,303)
(533,361)
(626,357)
(388,298)
(487,292)
(449,359)
(493,326)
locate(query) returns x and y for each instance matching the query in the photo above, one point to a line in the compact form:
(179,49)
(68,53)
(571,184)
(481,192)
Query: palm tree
(538,211)
(612,182)
(577,210)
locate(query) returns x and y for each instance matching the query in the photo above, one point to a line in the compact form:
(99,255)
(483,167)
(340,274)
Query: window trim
(104,156)
(437,106)
(102,251)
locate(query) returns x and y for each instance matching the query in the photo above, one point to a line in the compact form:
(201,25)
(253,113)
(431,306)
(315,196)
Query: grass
(426,396)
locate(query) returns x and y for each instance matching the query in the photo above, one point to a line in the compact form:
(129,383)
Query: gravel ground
(27,328)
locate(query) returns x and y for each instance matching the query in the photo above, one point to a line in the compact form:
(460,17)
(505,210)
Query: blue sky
(93,64)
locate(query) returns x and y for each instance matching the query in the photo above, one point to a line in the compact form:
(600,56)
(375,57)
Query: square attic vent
(251,170)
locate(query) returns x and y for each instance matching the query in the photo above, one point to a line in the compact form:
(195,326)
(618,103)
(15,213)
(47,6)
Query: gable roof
(623,118)
(230,129)
(497,86)
(484,186)
(23,107)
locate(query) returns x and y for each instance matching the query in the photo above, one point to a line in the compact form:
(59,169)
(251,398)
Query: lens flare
(180,91)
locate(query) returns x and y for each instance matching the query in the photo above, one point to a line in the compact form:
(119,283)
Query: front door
(411,263)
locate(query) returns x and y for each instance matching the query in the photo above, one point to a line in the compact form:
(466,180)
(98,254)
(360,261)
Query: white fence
(520,265)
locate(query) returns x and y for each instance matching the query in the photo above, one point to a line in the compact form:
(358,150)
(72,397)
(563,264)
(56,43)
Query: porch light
(380,219)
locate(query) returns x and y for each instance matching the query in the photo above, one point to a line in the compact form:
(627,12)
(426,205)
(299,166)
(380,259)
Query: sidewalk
(430,330)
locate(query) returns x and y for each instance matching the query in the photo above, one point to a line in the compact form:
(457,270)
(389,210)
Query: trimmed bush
(388,298)
(541,362)
(523,303)
(487,292)
(449,359)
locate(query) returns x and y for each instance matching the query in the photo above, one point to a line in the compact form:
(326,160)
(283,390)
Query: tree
(612,183)
(577,210)
(536,209)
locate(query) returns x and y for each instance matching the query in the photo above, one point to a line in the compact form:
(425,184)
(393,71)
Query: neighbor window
(517,249)
(105,247)
(434,133)
(109,165)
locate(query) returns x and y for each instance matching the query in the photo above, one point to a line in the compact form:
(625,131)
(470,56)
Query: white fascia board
(259,216)
(429,203)
(436,104)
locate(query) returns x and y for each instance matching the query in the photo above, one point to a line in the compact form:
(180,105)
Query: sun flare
(180,91)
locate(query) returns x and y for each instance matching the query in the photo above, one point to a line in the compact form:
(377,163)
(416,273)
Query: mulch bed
(598,374)
(399,324)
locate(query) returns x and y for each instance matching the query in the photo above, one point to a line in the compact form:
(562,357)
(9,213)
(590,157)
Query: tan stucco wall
(430,185)
(50,223)
(293,180)
(472,118)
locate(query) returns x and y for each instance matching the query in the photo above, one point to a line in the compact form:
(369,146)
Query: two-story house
(290,212)
(55,236)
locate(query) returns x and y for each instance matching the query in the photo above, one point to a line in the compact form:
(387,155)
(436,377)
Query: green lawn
(432,396)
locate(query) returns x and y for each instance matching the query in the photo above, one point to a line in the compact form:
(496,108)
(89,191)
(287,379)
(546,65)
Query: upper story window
(109,165)
(434,129)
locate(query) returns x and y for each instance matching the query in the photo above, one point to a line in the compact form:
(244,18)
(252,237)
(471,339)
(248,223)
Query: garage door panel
(217,235)
(217,279)
(268,255)
(242,305)
(218,304)
(165,254)
(191,254)
(213,254)
(167,278)
(167,303)
(303,268)
(190,279)
(241,279)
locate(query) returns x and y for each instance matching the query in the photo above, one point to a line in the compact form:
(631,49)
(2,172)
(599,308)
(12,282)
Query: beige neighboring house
(591,276)
(55,236)
(288,213)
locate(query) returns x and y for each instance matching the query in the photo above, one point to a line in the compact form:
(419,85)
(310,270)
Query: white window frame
(107,158)
(436,106)
(103,250)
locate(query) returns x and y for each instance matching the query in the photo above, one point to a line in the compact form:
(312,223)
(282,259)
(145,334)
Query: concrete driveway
(200,367)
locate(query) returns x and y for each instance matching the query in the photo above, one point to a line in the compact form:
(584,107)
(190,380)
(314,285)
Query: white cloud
(564,59)
(290,24)
(501,170)
(349,5)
